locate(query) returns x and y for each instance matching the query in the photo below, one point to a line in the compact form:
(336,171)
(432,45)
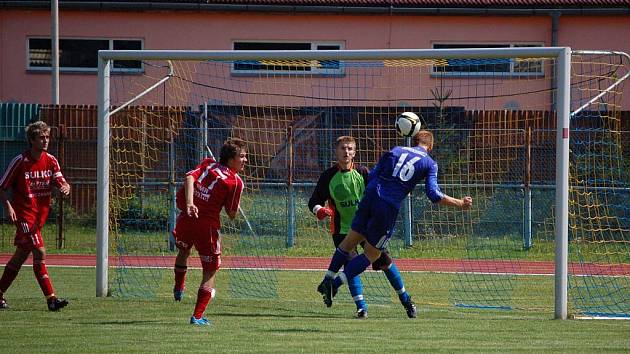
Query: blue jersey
(399,171)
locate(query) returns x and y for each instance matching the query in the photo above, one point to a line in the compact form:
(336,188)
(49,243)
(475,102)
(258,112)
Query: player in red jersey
(210,187)
(31,177)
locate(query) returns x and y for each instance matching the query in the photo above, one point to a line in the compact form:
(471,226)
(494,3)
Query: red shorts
(28,236)
(199,233)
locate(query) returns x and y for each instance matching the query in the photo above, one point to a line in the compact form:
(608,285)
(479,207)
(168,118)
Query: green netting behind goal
(494,120)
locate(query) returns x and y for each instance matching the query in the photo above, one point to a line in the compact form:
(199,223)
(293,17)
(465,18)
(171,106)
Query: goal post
(562,183)
(366,92)
(102,183)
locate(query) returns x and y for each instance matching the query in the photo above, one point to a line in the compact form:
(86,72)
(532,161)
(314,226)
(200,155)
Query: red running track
(320,263)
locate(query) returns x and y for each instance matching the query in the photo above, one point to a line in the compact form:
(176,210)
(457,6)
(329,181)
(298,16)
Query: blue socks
(337,261)
(356,290)
(393,275)
(355,267)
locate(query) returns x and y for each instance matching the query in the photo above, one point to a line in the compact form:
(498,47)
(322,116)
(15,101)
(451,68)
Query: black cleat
(327,289)
(410,307)
(55,304)
(362,314)
(3,303)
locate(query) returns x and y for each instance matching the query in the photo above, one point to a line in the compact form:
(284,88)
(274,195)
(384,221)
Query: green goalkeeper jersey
(342,189)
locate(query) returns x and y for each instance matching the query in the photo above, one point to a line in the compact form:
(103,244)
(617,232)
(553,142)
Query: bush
(148,212)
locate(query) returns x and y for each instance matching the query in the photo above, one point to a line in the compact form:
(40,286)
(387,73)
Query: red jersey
(216,186)
(31,183)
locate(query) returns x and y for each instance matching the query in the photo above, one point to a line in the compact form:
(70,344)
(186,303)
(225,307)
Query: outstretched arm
(437,196)
(463,204)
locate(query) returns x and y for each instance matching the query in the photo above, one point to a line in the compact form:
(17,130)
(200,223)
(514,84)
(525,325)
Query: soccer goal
(536,135)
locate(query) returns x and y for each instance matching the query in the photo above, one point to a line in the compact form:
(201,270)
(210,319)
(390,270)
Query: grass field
(296,321)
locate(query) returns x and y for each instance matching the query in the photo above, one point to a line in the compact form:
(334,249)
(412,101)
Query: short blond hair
(34,129)
(424,138)
(346,139)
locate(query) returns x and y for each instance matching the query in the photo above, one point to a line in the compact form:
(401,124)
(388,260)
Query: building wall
(187,30)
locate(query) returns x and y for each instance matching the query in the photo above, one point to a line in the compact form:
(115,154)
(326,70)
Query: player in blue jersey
(394,177)
(341,188)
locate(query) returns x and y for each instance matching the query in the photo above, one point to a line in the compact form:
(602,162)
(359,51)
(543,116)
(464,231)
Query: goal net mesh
(494,120)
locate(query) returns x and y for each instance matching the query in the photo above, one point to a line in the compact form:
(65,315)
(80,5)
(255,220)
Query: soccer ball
(407,124)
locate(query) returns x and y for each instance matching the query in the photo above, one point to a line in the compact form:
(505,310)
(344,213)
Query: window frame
(71,69)
(314,70)
(501,74)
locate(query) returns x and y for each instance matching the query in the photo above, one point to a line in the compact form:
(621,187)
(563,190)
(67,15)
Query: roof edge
(205,7)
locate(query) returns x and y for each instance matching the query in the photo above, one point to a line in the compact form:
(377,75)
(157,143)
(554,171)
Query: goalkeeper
(210,187)
(342,186)
(394,177)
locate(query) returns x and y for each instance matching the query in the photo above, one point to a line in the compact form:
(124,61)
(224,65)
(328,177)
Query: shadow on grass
(123,322)
(296,330)
(270,314)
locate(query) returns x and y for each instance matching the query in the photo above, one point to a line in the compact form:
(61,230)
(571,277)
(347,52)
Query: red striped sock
(204,295)
(41,274)
(10,272)
(180,277)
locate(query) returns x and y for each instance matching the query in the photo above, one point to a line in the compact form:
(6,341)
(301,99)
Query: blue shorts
(375,219)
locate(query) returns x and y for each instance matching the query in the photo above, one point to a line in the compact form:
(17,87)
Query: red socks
(204,295)
(41,274)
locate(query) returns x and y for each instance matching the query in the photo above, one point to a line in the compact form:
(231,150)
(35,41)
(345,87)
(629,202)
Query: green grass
(295,322)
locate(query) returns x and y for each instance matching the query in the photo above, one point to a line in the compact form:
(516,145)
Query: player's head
(38,135)
(233,154)
(424,138)
(346,149)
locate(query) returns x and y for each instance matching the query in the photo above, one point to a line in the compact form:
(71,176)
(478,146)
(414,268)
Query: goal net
(500,120)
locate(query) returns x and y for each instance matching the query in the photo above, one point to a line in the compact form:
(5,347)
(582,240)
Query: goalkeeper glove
(322,212)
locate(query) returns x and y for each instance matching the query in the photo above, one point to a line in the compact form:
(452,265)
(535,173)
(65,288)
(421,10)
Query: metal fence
(525,142)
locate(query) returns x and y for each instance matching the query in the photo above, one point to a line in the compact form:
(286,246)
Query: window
(324,67)
(490,66)
(80,54)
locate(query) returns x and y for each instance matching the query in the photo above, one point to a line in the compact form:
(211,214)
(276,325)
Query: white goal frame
(563,65)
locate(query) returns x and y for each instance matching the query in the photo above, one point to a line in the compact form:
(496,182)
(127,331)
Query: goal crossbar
(386,54)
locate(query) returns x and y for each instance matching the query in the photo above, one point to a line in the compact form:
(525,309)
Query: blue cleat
(178,294)
(200,321)
(327,289)
(3,303)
